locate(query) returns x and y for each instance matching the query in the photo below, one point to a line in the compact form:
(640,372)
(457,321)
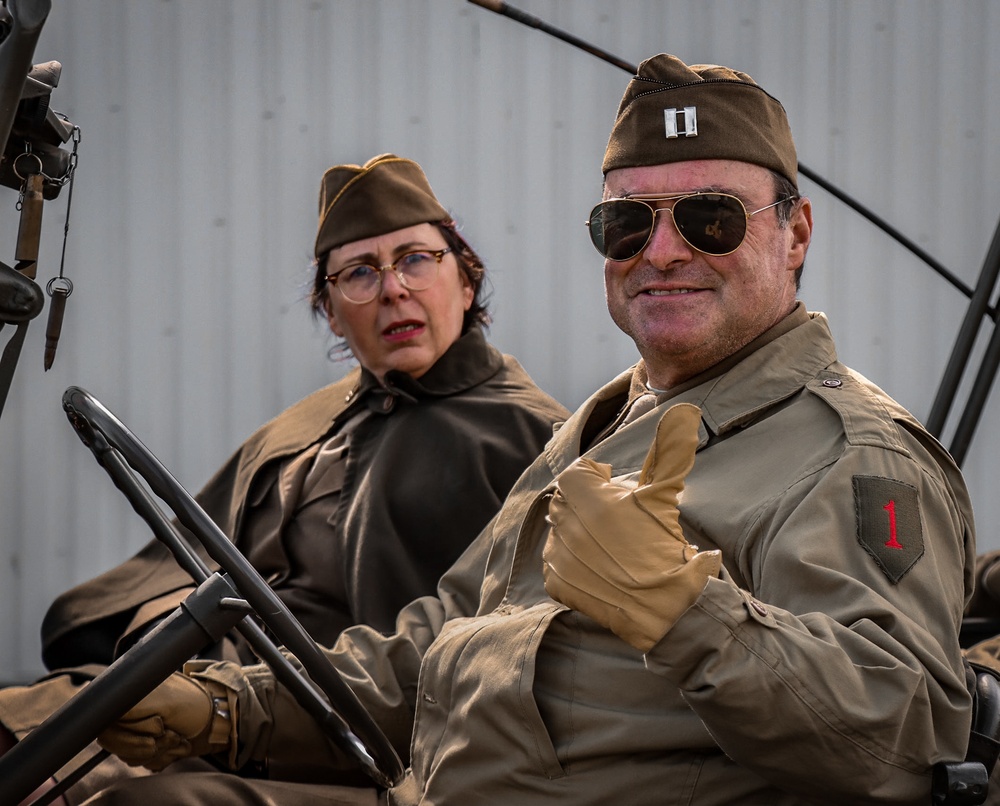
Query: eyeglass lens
(713,223)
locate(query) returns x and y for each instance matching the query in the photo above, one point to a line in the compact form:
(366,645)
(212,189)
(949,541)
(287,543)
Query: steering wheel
(340,713)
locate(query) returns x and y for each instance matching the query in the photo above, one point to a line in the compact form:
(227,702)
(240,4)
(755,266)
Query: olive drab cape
(425,472)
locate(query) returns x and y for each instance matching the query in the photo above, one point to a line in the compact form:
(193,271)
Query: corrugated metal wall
(206,127)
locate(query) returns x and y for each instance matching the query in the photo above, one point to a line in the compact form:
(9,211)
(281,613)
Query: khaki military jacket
(427,469)
(822,667)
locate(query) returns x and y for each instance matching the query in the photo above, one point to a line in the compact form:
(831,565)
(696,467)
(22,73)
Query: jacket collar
(772,368)
(470,361)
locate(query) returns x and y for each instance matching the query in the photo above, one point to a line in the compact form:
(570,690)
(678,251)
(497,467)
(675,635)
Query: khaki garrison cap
(361,201)
(672,112)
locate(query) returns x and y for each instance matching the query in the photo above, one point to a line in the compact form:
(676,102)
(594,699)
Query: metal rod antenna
(890,230)
(506,10)
(531,21)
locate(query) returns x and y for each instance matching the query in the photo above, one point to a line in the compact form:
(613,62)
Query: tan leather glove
(619,555)
(181,717)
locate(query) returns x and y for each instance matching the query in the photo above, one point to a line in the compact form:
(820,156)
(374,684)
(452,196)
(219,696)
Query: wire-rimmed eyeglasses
(416,271)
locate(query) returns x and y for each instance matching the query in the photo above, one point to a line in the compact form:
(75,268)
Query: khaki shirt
(823,667)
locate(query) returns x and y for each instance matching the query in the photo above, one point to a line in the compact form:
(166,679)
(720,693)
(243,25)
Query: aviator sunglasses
(713,223)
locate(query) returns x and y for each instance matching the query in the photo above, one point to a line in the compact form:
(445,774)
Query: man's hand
(181,717)
(619,555)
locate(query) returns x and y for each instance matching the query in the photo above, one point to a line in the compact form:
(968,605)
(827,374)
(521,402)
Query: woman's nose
(392,287)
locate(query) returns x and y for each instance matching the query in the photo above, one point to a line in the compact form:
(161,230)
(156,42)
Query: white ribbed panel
(206,127)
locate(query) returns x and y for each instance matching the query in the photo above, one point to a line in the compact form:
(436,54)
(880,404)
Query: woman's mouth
(402,330)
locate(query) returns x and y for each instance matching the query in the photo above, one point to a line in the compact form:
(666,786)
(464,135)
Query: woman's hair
(468,261)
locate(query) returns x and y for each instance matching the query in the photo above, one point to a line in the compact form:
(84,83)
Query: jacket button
(832,383)
(758,607)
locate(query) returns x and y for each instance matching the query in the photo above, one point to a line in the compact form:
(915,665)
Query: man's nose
(665,245)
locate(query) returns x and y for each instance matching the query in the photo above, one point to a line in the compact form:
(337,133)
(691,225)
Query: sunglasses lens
(712,223)
(620,228)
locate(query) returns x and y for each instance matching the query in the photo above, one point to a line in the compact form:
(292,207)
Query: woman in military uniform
(353,501)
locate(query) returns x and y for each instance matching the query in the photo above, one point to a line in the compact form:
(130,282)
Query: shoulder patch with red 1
(889,527)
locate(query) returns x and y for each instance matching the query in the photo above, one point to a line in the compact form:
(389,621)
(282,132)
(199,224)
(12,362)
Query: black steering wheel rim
(349,723)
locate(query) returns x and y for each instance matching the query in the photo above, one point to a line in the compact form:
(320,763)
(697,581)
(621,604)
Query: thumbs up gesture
(618,554)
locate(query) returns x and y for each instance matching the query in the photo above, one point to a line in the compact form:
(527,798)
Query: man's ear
(800,229)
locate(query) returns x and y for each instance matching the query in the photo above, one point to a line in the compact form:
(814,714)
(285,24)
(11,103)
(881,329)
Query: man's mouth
(665,292)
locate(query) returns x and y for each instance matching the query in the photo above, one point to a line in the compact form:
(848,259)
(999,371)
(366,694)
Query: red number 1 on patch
(892,542)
